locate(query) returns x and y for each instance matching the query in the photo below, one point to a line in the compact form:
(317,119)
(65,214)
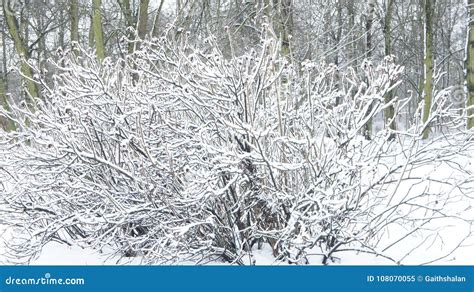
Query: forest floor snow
(444,241)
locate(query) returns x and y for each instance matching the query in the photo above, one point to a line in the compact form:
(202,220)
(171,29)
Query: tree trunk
(351,48)
(470,66)
(22,51)
(421,81)
(389,111)
(42,49)
(368,27)
(61,29)
(127,13)
(74,11)
(5,123)
(285,19)
(368,31)
(97,27)
(179,9)
(156,22)
(142,21)
(428,62)
(91,33)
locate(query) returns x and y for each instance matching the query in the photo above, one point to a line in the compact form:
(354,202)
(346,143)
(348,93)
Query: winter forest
(237,132)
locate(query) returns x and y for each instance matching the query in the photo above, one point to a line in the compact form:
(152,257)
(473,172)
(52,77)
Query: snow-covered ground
(448,239)
(444,240)
(60,254)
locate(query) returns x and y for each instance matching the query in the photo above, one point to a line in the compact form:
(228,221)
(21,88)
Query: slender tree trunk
(368,27)
(97,28)
(368,31)
(61,29)
(470,66)
(338,38)
(22,51)
(42,52)
(285,27)
(179,12)
(142,22)
(4,51)
(418,28)
(351,56)
(127,13)
(218,14)
(389,111)
(5,123)
(156,21)
(91,33)
(74,11)
(24,27)
(338,35)
(428,62)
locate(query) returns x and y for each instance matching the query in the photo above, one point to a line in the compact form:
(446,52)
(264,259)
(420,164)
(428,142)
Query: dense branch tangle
(179,154)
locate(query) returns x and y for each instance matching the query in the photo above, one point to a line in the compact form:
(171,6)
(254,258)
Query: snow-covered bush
(176,153)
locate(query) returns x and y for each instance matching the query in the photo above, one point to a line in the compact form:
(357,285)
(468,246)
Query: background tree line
(427,37)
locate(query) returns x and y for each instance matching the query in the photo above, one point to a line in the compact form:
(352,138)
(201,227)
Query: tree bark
(285,19)
(91,33)
(368,27)
(156,22)
(127,13)
(390,110)
(74,11)
(351,48)
(5,123)
(428,62)
(142,22)
(368,31)
(470,66)
(97,28)
(22,51)
(61,29)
